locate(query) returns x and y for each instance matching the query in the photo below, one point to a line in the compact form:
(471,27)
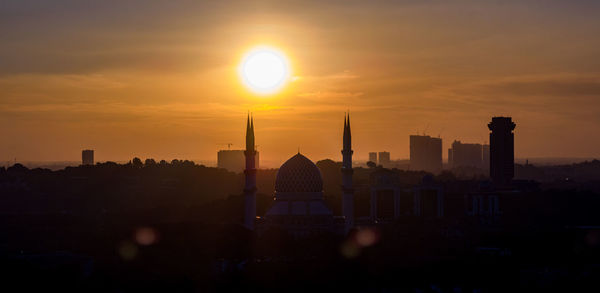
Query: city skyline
(270,164)
(162,82)
(199,146)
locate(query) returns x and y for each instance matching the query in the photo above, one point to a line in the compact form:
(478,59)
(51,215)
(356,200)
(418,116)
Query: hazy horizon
(59,165)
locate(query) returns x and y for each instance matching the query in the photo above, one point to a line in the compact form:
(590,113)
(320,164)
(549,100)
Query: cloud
(546,85)
(557,96)
(326,95)
(346,74)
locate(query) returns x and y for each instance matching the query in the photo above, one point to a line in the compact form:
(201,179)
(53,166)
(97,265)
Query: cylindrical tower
(502,150)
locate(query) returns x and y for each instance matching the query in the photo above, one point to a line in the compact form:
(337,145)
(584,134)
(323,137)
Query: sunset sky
(159,79)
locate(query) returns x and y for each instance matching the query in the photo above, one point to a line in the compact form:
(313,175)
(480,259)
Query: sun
(264,70)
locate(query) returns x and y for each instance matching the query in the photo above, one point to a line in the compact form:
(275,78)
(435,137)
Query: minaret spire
(348,122)
(347,133)
(347,188)
(250,134)
(250,173)
(248,123)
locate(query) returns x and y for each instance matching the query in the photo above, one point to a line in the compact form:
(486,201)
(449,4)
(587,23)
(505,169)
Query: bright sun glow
(264,70)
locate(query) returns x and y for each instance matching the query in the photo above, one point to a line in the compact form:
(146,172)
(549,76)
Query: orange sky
(159,79)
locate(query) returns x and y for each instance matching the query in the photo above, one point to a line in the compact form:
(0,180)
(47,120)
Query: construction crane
(227,144)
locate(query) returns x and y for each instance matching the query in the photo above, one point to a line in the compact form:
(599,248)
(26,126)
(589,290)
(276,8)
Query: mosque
(299,207)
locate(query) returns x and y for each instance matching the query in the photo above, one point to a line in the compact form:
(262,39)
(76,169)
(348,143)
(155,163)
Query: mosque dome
(299,174)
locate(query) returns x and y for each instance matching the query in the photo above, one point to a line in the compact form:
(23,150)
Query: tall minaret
(250,171)
(347,190)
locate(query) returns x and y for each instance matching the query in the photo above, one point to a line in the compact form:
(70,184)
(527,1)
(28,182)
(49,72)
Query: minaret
(347,190)
(250,172)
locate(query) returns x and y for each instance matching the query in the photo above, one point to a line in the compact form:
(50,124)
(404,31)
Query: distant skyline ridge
(58,165)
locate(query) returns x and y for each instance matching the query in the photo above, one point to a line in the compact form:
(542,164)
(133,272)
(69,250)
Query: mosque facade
(298,206)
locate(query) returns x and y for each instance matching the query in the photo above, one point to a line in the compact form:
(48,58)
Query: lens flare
(146,236)
(127,250)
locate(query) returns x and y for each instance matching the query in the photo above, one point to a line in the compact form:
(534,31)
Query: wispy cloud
(331,95)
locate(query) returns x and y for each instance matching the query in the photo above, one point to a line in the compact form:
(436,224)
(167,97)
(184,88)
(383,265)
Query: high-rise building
(233,160)
(466,154)
(347,188)
(87,157)
(502,150)
(425,153)
(373,157)
(384,159)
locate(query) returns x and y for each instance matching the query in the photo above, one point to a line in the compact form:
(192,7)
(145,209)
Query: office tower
(426,153)
(384,159)
(502,150)
(234,160)
(466,154)
(250,172)
(373,157)
(347,188)
(87,157)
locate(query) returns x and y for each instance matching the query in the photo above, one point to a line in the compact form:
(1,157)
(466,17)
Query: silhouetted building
(502,150)
(373,157)
(298,207)
(234,160)
(384,159)
(486,156)
(347,188)
(87,157)
(485,205)
(429,199)
(389,201)
(250,173)
(425,153)
(385,196)
(465,155)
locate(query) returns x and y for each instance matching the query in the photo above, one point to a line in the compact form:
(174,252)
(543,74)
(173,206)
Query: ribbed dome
(299,174)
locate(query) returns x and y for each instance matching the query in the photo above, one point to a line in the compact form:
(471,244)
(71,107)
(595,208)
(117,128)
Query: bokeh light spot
(146,236)
(127,250)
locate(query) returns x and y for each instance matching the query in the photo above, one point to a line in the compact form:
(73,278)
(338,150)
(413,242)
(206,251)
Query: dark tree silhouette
(137,162)
(149,162)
